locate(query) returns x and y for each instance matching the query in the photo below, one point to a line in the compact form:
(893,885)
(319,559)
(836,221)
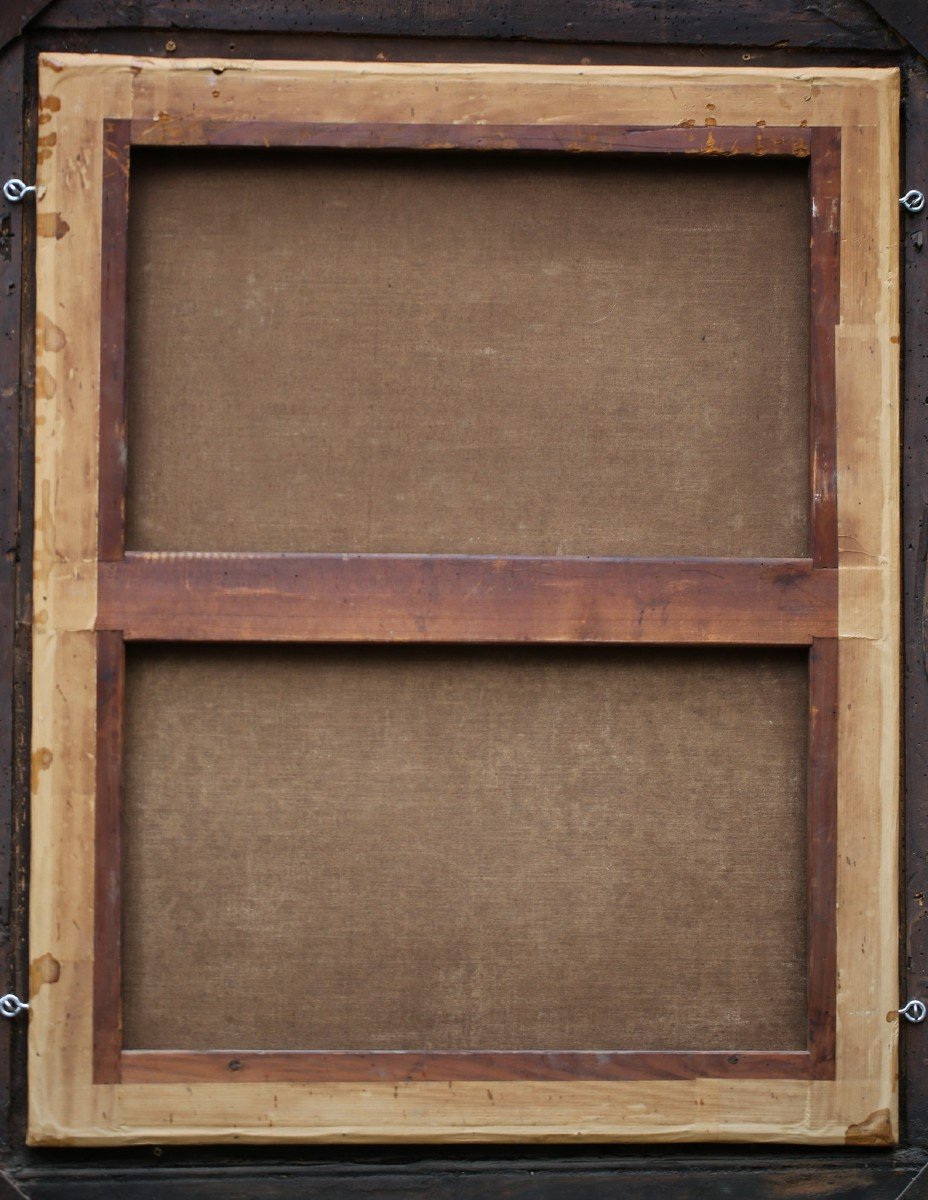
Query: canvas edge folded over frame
(65,1107)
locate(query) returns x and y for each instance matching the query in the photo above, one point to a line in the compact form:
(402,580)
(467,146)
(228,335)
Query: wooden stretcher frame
(91,595)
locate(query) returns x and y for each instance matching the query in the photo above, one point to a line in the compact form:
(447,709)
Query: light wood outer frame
(75,603)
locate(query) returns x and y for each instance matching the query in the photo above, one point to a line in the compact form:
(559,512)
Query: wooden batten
(380,598)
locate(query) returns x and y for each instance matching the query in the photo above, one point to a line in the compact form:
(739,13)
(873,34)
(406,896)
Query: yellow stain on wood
(874,1130)
(50,337)
(41,759)
(51,225)
(46,969)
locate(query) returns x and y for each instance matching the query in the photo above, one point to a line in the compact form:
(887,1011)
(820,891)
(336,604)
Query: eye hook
(15,190)
(11,1005)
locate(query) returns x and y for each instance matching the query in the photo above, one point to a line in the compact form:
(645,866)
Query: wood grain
(112,469)
(107,908)
(825,186)
(822,853)
(14,18)
(555,1173)
(456,598)
(739,23)
(915,556)
(269,1066)
(64,733)
(13,259)
(686,138)
(869,683)
(910,21)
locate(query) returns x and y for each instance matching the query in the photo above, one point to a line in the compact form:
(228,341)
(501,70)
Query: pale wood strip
(64,664)
(502,93)
(869,681)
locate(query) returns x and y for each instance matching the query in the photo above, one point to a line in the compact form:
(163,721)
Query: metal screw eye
(11,1006)
(915,1011)
(913,201)
(16,191)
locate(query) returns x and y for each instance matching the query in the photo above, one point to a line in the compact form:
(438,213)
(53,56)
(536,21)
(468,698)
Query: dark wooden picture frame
(851,34)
